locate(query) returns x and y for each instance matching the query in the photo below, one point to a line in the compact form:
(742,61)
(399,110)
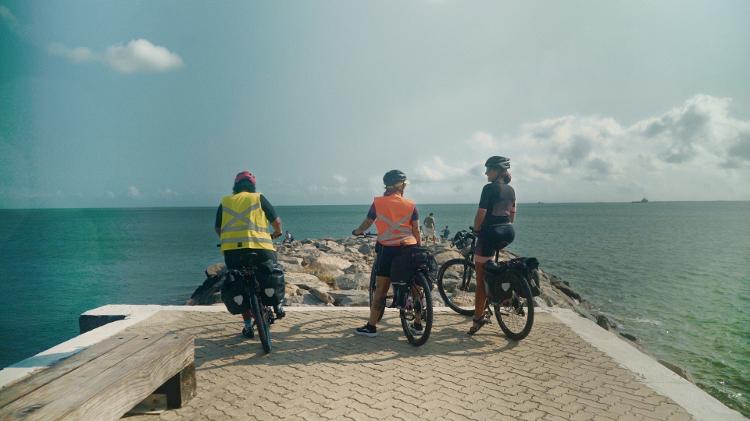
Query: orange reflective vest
(393,220)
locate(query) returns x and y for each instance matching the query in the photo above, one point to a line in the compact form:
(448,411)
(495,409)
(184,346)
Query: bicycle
(412,297)
(514,311)
(263,314)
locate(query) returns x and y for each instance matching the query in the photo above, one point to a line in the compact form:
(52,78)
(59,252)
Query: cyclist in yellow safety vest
(397,221)
(242,222)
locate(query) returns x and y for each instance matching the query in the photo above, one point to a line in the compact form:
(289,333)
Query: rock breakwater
(337,272)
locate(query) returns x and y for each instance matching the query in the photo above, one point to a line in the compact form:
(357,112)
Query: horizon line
(366,204)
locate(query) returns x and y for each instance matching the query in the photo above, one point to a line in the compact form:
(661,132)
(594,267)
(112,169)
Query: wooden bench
(106,380)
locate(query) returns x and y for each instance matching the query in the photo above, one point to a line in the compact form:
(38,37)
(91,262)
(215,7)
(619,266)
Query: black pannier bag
(502,278)
(234,292)
(497,282)
(271,280)
(532,274)
(405,265)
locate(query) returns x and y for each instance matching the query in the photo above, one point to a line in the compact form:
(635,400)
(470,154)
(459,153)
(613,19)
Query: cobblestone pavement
(320,370)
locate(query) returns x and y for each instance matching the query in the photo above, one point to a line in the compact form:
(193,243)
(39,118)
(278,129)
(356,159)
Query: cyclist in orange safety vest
(397,221)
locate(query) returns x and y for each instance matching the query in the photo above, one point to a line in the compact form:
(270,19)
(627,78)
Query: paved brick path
(319,369)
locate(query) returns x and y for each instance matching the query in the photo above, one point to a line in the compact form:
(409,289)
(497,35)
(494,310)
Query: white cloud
(436,169)
(482,141)
(340,178)
(7,16)
(109,194)
(141,56)
(138,55)
(133,192)
(695,151)
(76,55)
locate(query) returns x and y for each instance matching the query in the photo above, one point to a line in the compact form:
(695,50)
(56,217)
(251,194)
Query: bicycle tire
(517,318)
(426,314)
(463,304)
(261,321)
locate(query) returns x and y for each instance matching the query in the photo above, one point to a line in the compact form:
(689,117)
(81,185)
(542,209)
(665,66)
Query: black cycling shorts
(493,238)
(384,257)
(241,258)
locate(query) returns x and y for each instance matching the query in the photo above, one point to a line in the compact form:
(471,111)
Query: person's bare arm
(363,226)
(276,228)
(415,232)
(479,218)
(512,216)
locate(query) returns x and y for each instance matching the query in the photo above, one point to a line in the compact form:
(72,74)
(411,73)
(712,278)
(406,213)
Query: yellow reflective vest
(243,223)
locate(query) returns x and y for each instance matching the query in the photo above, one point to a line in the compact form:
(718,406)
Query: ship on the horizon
(644,200)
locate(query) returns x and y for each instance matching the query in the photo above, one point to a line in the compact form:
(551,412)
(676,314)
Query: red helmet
(245,175)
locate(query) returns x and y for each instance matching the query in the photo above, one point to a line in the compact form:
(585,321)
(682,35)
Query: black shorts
(493,238)
(384,258)
(240,258)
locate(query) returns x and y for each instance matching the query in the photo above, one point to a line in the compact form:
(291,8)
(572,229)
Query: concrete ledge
(697,402)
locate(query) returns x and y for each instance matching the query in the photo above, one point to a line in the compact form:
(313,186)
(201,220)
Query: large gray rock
(291,260)
(304,280)
(447,255)
(353,281)
(290,267)
(350,298)
(322,294)
(328,263)
(366,249)
(361,266)
(215,270)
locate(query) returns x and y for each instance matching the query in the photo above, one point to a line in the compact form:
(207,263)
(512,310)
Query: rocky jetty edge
(336,272)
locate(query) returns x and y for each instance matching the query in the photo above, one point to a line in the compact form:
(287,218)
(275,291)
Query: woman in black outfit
(494,223)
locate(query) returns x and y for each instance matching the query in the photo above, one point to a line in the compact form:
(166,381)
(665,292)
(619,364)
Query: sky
(143,103)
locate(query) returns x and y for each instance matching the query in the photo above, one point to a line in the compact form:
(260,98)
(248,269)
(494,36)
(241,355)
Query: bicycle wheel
(516,314)
(456,283)
(261,320)
(419,302)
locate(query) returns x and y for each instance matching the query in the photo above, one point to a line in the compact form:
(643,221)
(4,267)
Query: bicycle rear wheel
(516,314)
(261,320)
(456,283)
(420,298)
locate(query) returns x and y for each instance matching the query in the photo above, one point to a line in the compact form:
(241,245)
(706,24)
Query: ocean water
(676,275)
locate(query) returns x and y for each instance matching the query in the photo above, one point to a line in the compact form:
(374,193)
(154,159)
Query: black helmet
(498,162)
(393,177)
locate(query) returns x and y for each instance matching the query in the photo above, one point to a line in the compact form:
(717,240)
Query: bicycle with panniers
(411,283)
(242,290)
(510,285)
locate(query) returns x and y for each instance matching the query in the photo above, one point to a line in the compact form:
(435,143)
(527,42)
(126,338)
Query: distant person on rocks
(494,223)
(397,221)
(446,233)
(429,228)
(242,220)
(288,237)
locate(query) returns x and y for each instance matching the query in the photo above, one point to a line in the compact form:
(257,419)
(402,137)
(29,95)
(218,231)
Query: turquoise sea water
(677,275)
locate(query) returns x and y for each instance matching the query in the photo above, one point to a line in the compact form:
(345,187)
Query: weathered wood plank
(107,387)
(36,380)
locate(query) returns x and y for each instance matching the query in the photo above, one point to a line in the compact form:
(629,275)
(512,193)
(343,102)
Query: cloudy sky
(144,103)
